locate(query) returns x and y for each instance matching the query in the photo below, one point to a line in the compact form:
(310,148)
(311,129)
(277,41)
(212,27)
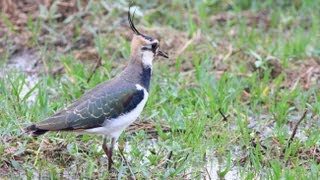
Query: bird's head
(143,46)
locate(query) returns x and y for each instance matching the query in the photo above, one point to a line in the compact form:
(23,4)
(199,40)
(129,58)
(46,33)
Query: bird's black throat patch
(146,77)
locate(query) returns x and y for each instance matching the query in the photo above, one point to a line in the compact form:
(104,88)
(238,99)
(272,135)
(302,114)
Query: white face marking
(147,58)
(114,127)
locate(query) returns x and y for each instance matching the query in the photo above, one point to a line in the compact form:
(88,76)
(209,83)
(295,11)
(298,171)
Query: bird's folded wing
(92,112)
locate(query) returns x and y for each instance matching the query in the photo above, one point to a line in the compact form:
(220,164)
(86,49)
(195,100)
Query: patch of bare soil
(56,152)
(14,30)
(305,72)
(18,11)
(17,37)
(312,153)
(12,155)
(149,127)
(83,48)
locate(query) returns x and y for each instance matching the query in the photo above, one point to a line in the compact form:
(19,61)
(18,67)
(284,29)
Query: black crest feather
(133,28)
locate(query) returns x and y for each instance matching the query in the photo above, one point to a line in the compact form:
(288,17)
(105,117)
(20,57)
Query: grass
(231,66)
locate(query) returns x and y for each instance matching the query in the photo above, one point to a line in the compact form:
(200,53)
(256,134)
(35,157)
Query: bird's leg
(108,150)
(104,145)
(110,162)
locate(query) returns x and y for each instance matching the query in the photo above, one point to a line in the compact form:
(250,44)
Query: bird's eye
(154,45)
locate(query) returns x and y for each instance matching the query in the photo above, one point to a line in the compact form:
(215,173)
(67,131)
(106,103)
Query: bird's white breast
(114,127)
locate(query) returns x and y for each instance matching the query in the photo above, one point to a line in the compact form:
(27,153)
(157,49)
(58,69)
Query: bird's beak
(163,54)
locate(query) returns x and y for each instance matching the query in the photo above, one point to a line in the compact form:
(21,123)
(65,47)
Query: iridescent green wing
(94,108)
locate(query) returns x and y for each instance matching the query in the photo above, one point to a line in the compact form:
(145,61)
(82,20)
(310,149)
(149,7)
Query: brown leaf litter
(17,13)
(306,72)
(147,126)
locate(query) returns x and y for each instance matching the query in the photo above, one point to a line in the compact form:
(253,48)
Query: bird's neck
(136,72)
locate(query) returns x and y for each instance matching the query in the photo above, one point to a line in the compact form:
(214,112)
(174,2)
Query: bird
(110,107)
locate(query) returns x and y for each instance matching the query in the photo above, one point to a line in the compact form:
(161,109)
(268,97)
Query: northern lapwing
(111,106)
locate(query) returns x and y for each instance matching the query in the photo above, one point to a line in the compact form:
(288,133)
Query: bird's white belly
(114,127)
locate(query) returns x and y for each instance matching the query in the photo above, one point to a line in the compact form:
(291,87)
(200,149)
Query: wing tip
(34,130)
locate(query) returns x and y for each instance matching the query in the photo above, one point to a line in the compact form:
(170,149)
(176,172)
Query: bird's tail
(34,130)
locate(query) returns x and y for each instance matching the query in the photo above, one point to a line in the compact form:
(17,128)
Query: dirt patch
(56,152)
(305,72)
(312,153)
(148,126)
(19,19)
